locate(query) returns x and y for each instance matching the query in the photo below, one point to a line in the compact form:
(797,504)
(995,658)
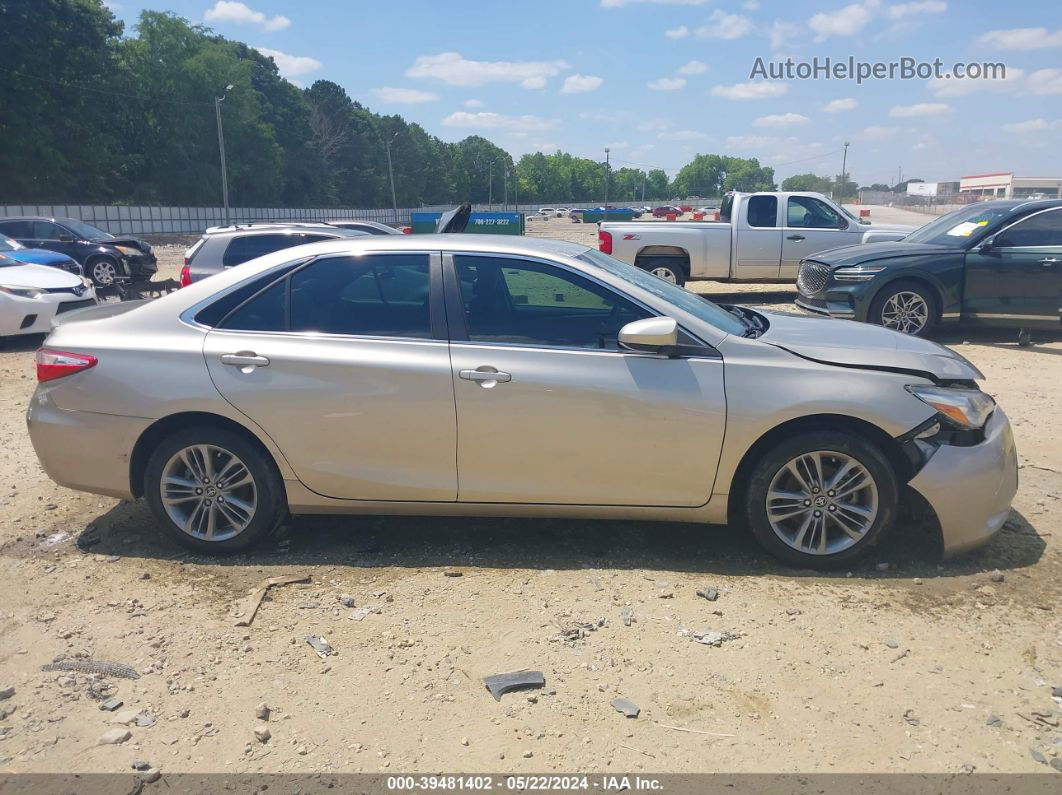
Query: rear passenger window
(15,229)
(247,247)
(379,295)
(1042,229)
(763,211)
(267,311)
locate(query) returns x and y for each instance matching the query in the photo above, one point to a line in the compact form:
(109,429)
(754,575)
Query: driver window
(1042,229)
(804,212)
(45,230)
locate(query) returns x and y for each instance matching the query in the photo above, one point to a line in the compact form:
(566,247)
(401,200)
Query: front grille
(70,306)
(812,277)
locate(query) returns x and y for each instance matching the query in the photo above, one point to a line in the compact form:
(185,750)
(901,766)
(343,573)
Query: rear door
(1017,281)
(811,226)
(345,364)
(757,246)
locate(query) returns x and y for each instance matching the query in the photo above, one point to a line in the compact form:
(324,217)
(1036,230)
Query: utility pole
(221,148)
(505,187)
(490,186)
(391,174)
(605,213)
(844,175)
(645,176)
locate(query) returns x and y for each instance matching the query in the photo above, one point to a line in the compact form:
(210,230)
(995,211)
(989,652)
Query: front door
(811,226)
(1017,280)
(345,365)
(550,410)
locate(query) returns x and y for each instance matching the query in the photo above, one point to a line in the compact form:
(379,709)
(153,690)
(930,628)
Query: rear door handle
(485,375)
(244,359)
(795,237)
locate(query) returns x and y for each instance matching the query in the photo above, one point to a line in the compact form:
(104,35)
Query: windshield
(87,231)
(7,244)
(699,307)
(956,229)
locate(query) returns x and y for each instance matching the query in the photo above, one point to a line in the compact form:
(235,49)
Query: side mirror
(651,335)
(987,245)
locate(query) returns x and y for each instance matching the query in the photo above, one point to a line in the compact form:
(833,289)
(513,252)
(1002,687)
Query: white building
(1004,185)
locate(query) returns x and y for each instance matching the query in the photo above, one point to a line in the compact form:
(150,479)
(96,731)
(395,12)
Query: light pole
(391,174)
(604,213)
(221,148)
(490,186)
(844,175)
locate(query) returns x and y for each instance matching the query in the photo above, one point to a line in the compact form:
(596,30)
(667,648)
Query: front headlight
(964,408)
(858,273)
(128,252)
(22,292)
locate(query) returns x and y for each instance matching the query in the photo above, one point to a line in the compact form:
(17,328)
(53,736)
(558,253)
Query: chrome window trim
(1023,220)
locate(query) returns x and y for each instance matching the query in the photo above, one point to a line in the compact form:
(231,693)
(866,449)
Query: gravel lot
(905,664)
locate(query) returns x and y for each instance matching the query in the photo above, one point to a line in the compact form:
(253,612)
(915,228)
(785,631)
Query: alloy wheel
(906,312)
(208,492)
(104,272)
(822,502)
(666,274)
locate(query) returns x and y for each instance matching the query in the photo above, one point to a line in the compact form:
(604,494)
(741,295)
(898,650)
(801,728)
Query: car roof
(38,218)
(243,230)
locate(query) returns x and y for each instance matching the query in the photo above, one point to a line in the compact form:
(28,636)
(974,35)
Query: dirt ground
(905,664)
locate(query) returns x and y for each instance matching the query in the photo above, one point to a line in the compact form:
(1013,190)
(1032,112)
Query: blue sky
(660,80)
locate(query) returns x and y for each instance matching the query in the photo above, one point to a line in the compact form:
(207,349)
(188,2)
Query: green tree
(807,182)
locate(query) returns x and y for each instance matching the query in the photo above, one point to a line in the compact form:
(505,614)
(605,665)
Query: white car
(32,295)
(547,212)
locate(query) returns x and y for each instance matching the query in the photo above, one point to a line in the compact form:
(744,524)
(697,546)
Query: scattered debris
(451,573)
(247,607)
(7,692)
(628,616)
(262,711)
(900,656)
(911,718)
(1056,692)
(597,584)
(994,721)
(996,576)
(114,737)
(309,605)
(892,644)
(528,754)
(1037,756)
(360,612)
(637,750)
(692,731)
(144,719)
(666,595)
(111,704)
(793,611)
(500,684)
(572,630)
(711,594)
(346,600)
(125,717)
(320,645)
(93,667)
(140,764)
(262,734)
(626,706)
(151,775)
(709,637)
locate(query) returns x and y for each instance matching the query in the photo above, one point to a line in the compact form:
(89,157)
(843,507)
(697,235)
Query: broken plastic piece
(500,684)
(320,645)
(626,706)
(110,705)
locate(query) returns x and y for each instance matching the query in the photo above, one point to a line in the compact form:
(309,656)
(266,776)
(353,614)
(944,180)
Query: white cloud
(919,109)
(485,120)
(751,5)
(741,91)
(619,3)
(580,84)
(682,135)
(722,25)
(653,125)
(1044,82)
(474,103)
(1033,126)
(846,21)
(605,115)
(667,83)
(680,32)
(943,87)
(902,10)
(405,96)
(781,120)
(240,14)
(877,132)
(1022,39)
(692,68)
(840,105)
(291,65)
(780,32)
(452,69)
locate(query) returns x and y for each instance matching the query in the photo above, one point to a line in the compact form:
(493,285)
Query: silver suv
(223,247)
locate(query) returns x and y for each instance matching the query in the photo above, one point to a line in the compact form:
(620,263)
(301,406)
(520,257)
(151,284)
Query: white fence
(151,220)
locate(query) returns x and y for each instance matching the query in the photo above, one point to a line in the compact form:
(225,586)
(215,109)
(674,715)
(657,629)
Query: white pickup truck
(758,237)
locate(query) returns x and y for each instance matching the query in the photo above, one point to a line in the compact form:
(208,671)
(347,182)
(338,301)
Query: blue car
(37,256)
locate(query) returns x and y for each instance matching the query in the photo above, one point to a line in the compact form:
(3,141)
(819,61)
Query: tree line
(88,115)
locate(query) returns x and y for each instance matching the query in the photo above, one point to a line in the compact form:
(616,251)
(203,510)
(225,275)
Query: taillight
(407,230)
(604,241)
(186,276)
(59,364)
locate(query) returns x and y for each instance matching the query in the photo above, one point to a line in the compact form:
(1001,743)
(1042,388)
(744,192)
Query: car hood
(39,276)
(855,255)
(38,256)
(847,343)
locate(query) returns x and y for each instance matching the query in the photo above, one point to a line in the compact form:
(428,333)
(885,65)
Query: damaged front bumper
(971,488)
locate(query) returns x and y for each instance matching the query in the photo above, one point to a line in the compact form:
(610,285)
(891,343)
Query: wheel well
(816,422)
(663,251)
(153,436)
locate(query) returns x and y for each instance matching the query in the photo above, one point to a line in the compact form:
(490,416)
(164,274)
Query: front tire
(907,307)
(822,499)
(103,271)
(669,269)
(214,491)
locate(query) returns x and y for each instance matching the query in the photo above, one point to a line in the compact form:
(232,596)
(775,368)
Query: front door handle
(486,377)
(244,359)
(1050,261)
(795,237)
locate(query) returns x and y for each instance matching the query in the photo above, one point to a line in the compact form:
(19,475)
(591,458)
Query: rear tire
(670,269)
(214,491)
(907,307)
(822,499)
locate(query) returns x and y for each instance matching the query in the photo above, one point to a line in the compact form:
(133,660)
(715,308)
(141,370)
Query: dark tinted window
(247,247)
(213,314)
(509,300)
(763,211)
(46,230)
(16,229)
(1043,229)
(267,311)
(726,207)
(378,295)
(805,212)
